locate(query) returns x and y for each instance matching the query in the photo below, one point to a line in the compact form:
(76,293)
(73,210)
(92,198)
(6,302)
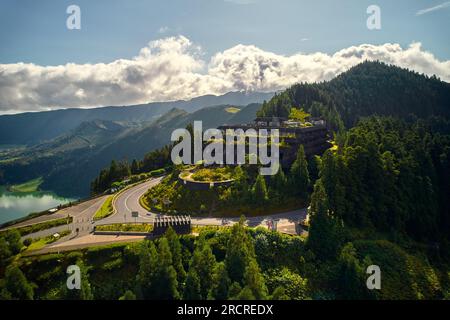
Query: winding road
(126,202)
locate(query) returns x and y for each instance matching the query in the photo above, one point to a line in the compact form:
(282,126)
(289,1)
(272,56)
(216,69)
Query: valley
(70,161)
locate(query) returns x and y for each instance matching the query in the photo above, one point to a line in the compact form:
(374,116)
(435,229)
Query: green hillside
(366,89)
(71,161)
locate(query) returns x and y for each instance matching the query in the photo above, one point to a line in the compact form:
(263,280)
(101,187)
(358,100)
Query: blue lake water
(15,205)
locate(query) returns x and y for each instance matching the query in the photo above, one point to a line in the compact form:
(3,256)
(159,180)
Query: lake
(15,205)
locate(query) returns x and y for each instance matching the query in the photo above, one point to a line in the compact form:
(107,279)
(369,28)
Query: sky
(137,51)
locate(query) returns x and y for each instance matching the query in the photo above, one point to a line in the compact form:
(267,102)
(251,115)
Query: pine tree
(192,290)
(15,286)
(278,185)
(299,174)
(177,258)
(165,280)
(203,262)
(254,280)
(220,284)
(324,234)
(240,251)
(260,195)
(351,275)
(148,262)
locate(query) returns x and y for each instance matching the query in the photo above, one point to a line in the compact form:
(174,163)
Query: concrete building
(313,135)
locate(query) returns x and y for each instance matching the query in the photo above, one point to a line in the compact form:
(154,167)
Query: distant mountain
(367,89)
(71,161)
(36,127)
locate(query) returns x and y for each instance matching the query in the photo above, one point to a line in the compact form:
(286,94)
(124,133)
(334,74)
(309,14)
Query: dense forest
(119,170)
(370,88)
(378,197)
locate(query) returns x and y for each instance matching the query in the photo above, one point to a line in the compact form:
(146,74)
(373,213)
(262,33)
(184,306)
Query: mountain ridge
(35,127)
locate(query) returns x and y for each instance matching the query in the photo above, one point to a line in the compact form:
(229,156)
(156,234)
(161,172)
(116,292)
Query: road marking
(133,192)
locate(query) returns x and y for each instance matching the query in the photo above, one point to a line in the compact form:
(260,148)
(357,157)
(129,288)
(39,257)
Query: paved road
(82,219)
(128,201)
(63,213)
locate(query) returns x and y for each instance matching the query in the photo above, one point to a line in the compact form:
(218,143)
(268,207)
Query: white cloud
(173,68)
(435,8)
(163,29)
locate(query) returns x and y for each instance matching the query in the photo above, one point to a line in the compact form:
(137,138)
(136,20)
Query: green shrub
(124,227)
(157,172)
(42,226)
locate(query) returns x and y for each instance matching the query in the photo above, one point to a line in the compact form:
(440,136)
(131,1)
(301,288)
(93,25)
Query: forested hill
(367,89)
(36,127)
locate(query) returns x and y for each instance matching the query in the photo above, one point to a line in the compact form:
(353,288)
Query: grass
(232,110)
(38,244)
(105,210)
(210,175)
(124,227)
(29,186)
(143,201)
(42,226)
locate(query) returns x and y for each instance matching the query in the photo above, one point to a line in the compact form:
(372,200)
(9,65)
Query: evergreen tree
(220,284)
(148,262)
(254,281)
(177,258)
(193,289)
(259,191)
(299,174)
(165,284)
(240,251)
(15,285)
(351,277)
(278,185)
(324,234)
(332,172)
(203,262)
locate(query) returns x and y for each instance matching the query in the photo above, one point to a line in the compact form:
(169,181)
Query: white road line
(133,192)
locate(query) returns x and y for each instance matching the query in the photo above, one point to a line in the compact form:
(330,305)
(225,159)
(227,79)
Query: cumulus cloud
(173,68)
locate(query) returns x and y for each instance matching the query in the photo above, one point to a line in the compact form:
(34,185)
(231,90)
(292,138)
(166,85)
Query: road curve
(128,201)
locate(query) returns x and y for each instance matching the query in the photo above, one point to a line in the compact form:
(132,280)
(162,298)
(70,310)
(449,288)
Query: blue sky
(137,51)
(34,31)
